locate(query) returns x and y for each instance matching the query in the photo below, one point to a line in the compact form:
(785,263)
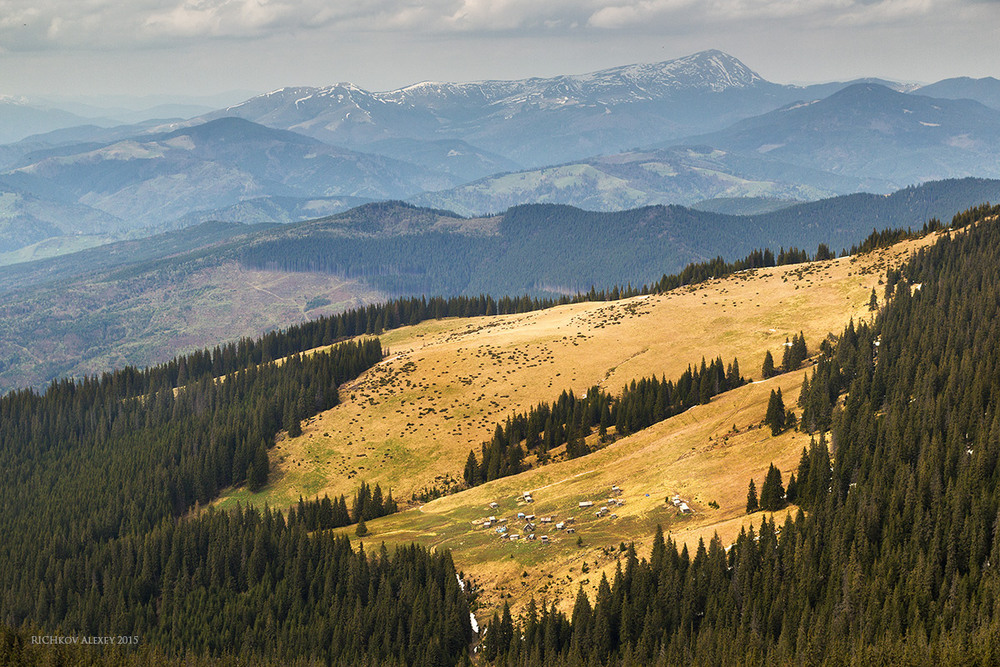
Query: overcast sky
(198,47)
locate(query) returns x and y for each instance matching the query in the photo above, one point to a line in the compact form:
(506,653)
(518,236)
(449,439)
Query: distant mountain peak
(711,70)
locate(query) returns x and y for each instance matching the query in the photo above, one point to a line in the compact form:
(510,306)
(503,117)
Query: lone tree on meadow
(767,369)
(775,417)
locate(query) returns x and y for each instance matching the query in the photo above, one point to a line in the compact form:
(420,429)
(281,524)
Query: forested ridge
(895,560)
(94,476)
(245,585)
(549,249)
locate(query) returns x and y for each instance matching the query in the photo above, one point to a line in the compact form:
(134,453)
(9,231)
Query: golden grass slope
(696,455)
(410,422)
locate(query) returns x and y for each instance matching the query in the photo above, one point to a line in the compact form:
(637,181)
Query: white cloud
(109,24)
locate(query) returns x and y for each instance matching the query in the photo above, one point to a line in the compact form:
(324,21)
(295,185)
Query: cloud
(109,24)
(630,14)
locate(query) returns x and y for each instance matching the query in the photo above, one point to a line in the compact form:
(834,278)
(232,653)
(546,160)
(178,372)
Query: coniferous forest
(894,560)
(81,555)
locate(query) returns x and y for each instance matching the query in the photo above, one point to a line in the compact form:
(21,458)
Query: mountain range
(870,131)
(704,130)
(535,121)
(140,301)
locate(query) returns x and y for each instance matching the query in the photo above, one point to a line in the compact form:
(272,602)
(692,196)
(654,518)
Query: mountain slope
(532,121)
(985,91)
(26,219)
(546,248)
(151,180)
(409,422)
(681,175)
(870,131)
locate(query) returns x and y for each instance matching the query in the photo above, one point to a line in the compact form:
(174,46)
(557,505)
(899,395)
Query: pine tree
(772,493)
(799,352)
(471,473)
(791,491)
(361,530)
(257,472)
(767,369)
(752,505)
(775,416)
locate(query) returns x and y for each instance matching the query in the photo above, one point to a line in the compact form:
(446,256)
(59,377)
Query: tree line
(323,513)
(569,420)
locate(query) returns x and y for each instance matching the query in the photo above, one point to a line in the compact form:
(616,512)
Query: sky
(202,47)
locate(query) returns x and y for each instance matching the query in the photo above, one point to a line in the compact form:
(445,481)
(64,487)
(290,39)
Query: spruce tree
(772,493)
(791,491)
(257,472)
(471,470)
(798,350)
(752,505)
(767,369)
(775,416)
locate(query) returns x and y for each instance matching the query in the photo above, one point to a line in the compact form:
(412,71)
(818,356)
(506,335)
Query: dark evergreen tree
(775,416)
(791,491)
(767,368)
(772,492)
(752,504)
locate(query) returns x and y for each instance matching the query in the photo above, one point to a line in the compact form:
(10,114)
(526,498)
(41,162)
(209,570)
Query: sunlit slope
(410,422)
(696,454)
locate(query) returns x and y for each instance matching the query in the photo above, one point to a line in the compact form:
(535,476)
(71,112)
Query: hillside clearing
(410,422)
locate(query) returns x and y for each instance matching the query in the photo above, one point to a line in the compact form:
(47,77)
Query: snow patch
(800,105)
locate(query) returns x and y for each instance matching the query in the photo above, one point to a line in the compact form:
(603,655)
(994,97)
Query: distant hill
(20,119)
(549,249)
(26,219)
(870,131)
(447,156)
(272,209)
(150,180)
(681,175)
(985,91)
